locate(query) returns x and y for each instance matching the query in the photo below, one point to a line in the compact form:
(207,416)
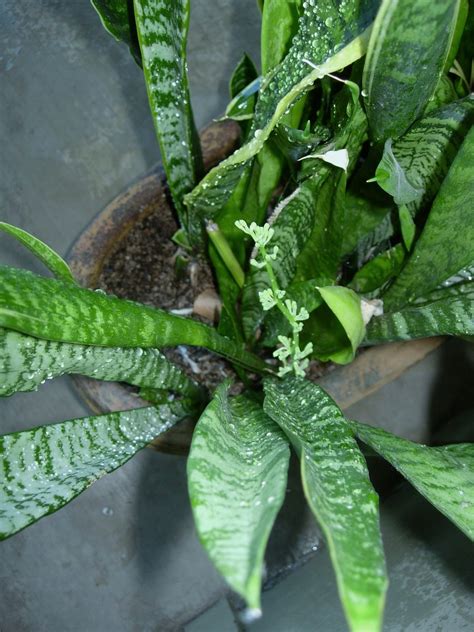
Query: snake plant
(344,219)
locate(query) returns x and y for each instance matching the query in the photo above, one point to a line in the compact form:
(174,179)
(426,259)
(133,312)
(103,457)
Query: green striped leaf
(117,18)
(162,27)
(45,254)
(237,473)
(423,155)
(414,167)
(322,251)
(26,362)
(378,271)
(464,452)
(444,292)
(446,243)
(407,51)
(327,40)
(462,276)
(62,312)
(368,217)
(450,316)
(443,475)
(392,178)
(45,468)
(339,492)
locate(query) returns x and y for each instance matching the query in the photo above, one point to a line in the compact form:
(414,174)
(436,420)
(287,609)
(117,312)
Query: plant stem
(225,252)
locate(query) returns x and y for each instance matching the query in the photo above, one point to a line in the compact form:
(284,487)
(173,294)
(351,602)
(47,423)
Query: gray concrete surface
(74,131)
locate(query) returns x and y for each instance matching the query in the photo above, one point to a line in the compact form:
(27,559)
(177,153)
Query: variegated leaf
(63,312)
(162,27)
(408,48)
(450,315)
(237,472)
(340,494)
(45,468)
(447,242)
(26,362)
(424,155)
(443,475)
(414,167)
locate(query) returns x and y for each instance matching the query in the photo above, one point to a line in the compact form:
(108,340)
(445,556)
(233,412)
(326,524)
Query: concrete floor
(75,130)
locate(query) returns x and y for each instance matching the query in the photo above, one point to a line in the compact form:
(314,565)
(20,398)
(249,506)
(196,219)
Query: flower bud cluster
(293,358)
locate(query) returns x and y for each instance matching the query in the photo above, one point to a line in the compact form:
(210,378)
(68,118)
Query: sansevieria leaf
(162,27)
(413,167)
(446,244)
(328,41)
(279,23)
(237,472)
(407,51)
(62,312)
(443,475)
(450,316)
(422,157)
(26,362)
(340,494)
(45,254)
(117,18)
(43,469)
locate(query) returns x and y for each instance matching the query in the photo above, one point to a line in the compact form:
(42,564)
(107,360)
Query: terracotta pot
(348,385)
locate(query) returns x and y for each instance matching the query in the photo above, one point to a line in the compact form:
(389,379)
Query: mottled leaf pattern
(43,469)
(62,312)
(329,41)
(447,242)
(45,254)
(450,316)
(162,27)
(26,362)
(443,475)
(339,492)
(424,155)
(407,52)
(237,472)
(421,158)
(392,178)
